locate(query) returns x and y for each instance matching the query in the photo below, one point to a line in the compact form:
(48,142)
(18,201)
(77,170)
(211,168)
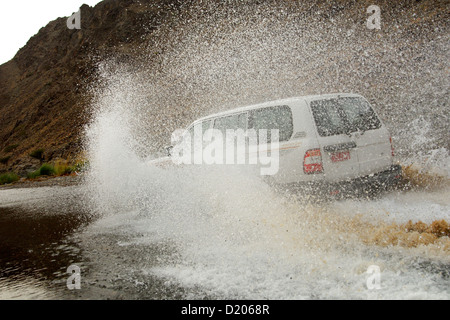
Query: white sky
(21,19)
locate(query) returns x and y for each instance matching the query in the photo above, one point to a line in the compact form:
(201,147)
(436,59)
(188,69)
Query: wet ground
(48,226)
(40,227)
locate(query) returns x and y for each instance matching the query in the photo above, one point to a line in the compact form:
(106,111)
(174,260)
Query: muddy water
(215,248)
(36,228)
(41,230)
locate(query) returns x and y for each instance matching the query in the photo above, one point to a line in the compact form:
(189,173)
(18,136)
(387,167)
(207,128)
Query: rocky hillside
(43,98)
(212,55)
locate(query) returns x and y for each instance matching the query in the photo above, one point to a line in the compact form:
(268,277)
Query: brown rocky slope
(43,101)
(44,89)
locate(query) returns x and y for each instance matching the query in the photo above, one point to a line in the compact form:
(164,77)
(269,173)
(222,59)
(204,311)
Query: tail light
(312,163)
(392,146)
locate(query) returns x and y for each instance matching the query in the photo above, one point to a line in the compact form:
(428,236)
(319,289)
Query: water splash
(216,56)
(225,231)
(222,229)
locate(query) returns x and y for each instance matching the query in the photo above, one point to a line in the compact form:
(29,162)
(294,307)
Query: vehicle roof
(277,102)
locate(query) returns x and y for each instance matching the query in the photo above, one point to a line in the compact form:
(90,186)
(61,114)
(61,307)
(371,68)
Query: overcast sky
(21,19)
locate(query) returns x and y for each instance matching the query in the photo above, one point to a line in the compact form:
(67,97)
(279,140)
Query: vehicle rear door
(372,139)
(338,147)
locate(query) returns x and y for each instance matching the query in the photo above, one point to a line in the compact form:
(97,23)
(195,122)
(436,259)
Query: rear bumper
(382,181)
(391,176)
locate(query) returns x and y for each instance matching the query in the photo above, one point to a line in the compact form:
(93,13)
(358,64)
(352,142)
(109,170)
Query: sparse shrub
(8,177)
(59,168)
(5,160)
(62,168)
(38,154)
(10,148)
(81,166)
(34,174)
(47,170)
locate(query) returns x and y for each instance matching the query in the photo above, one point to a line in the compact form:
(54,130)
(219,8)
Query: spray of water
(228,232)
(222,228)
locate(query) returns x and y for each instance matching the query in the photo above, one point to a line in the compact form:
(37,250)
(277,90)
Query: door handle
(358,133)
(339,147)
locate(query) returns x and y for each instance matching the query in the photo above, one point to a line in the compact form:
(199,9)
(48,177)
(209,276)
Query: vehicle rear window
(343,115)
(359,114)
(279,117)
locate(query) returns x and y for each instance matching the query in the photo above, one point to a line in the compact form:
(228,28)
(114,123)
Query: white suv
(330,141)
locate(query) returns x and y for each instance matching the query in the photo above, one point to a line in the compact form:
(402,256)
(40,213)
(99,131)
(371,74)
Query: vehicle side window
(224,123)
(206,125)
(242,121)
(191,132)
(279,117)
